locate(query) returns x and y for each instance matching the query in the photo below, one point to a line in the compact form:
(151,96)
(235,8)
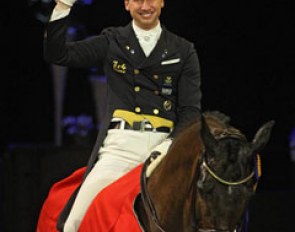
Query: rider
(153,84)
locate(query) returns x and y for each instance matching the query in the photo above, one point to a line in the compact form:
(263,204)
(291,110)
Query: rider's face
(145,13)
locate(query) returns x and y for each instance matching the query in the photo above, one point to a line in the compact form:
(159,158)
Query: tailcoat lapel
(130,46)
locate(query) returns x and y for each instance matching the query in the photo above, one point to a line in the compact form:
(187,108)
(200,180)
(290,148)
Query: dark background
(246,51)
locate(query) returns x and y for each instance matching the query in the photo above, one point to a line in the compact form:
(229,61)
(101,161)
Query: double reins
(145,196)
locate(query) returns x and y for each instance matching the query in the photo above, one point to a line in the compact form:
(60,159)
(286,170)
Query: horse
(205,181)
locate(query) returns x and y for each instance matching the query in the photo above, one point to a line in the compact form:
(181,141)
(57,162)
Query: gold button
(156,77)
(157,92)
(156,111)
(136,88)
(137,109)
(136,71)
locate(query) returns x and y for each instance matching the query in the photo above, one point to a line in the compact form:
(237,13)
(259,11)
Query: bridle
(226,133)
(149,206)
(203,165)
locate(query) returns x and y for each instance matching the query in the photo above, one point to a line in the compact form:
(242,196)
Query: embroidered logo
(120,68)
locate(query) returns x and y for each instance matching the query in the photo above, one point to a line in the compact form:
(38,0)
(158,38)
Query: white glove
(162,148)
(67,2)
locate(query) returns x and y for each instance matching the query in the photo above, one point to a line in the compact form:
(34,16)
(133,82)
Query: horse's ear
(262,136)
(207,137)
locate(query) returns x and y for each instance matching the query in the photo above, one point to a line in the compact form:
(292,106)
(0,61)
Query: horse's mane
(217,116)
(215,119)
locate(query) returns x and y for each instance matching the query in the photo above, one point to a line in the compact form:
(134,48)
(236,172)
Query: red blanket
(111,210)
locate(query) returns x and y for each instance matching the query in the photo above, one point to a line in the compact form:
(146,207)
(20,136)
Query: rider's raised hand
(69,3)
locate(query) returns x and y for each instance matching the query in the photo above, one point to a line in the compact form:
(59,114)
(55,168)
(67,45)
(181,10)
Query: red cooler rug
(111,210)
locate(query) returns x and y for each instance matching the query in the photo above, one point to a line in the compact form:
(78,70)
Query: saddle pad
(111,210)
(57,197)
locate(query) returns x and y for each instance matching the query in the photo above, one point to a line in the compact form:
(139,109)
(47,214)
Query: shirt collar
(153,33)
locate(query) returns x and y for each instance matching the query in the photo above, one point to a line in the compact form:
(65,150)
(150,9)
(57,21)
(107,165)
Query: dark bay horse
(205,181)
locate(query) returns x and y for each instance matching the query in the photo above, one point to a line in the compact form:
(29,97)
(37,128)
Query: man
(153,84)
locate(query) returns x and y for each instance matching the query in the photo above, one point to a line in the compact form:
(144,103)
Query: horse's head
(206,179)
(226,176)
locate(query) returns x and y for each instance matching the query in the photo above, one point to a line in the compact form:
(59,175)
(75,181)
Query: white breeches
(122,151)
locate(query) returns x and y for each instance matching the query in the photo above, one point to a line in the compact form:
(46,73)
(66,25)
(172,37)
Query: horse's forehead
(231,146)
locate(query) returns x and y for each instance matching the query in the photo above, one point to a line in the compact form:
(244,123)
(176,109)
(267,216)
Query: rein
(151,211)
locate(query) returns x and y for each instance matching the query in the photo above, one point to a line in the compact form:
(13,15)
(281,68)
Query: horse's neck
(171,181)
(180,160)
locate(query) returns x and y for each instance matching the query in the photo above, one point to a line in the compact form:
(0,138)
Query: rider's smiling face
(145,13)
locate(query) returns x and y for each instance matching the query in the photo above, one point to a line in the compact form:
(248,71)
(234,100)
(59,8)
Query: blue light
(292,145)
(86,2)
